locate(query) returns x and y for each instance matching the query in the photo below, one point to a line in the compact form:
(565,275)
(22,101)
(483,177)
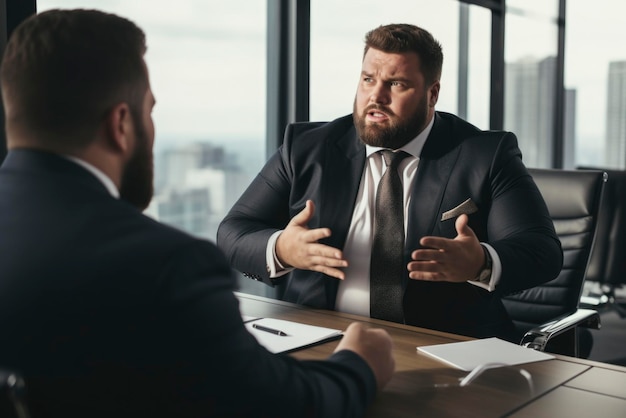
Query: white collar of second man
(104,179)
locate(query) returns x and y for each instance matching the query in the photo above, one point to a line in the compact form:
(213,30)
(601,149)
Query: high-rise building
(529,107)
(195,185)
(569,130)
(616,116)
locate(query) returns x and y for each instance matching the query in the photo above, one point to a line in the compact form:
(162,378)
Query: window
(207,63)
(478,67)
(337,33)
(595,71)
(530,53)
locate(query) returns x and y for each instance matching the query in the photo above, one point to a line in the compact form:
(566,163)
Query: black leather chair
(547,317)
(607,268)
(12,396)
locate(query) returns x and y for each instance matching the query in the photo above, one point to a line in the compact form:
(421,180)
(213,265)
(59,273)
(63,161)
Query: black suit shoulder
(302,138)
(322,129)
(449,131)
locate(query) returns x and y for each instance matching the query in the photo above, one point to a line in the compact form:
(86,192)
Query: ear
(433,93)
(119,128)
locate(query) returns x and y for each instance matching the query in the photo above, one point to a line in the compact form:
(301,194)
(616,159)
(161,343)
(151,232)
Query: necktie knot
(393,159)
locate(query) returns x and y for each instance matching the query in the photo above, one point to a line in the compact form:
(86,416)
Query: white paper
(466,355)
(298,335)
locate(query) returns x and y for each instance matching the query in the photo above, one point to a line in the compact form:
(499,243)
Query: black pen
(271,330)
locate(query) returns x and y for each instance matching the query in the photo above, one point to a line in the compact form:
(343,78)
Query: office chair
(607,267)
(12,396)
(547,317)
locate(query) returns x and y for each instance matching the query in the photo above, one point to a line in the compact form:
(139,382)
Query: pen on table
(271,330)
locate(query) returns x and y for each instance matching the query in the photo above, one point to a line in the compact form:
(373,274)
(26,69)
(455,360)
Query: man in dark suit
(476,227)
(105,311)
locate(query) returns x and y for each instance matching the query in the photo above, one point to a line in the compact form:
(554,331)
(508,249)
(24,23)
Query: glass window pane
(549,9)
(479,67)
(595,63)
(337,47)
(207,63)
(531,45)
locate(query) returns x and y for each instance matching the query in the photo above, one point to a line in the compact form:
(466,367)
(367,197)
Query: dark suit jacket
(324,163)
(108,313)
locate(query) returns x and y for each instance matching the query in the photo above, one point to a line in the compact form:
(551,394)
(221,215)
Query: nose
(380,94)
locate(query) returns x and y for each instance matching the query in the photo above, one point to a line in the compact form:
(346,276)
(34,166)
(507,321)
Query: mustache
(379,108)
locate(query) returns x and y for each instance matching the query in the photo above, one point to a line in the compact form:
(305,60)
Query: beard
(136,185)
(394,134)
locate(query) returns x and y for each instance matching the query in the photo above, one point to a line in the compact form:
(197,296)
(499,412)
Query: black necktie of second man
(387,267)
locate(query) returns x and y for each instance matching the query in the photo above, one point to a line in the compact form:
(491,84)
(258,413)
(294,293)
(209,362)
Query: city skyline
(196,183)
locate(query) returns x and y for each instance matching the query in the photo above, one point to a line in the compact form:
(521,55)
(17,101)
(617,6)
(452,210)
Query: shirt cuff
(274,268)
(496,270)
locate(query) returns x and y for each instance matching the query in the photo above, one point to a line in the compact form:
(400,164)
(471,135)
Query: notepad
(466,355)
(298,335)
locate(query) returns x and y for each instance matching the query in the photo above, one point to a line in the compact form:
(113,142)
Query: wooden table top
(424,386)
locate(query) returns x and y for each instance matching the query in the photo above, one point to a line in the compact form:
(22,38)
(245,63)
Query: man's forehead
(392,62)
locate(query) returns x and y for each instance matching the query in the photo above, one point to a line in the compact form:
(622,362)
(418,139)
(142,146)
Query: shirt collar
(413,147)
(104,179)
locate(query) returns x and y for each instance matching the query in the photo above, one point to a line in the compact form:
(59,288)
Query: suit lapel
(344,162)
(433,174)
(343,167)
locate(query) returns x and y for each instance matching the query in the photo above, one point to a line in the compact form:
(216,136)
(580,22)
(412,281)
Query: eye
(396,84)
(368,80)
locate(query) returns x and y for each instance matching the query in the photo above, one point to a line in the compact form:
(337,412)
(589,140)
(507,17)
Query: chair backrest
(573,200)
(608,257)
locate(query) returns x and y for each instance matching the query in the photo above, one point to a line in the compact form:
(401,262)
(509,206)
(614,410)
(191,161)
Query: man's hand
(374,345)
(298,246)
(450,260)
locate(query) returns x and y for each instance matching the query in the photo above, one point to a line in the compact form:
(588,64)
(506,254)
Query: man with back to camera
(103,310)
(470,224)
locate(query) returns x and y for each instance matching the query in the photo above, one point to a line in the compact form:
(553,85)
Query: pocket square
(466,207)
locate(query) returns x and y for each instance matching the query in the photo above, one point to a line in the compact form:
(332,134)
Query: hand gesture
(298,246)
(450,260)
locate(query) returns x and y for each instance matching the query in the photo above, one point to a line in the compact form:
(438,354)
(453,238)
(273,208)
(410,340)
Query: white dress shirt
(353,295)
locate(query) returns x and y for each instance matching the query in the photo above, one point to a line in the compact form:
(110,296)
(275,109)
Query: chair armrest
(538,337)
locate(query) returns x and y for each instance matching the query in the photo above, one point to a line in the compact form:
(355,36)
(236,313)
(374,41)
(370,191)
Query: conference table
(423,386)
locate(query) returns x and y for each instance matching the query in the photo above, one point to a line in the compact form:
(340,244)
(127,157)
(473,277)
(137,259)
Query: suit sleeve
(519,226)
(261,210)
(223,370)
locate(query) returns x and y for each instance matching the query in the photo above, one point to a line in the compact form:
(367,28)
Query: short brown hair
(398,38)
(63,70)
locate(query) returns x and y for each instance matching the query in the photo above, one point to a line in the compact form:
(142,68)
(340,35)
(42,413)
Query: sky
(206,61)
